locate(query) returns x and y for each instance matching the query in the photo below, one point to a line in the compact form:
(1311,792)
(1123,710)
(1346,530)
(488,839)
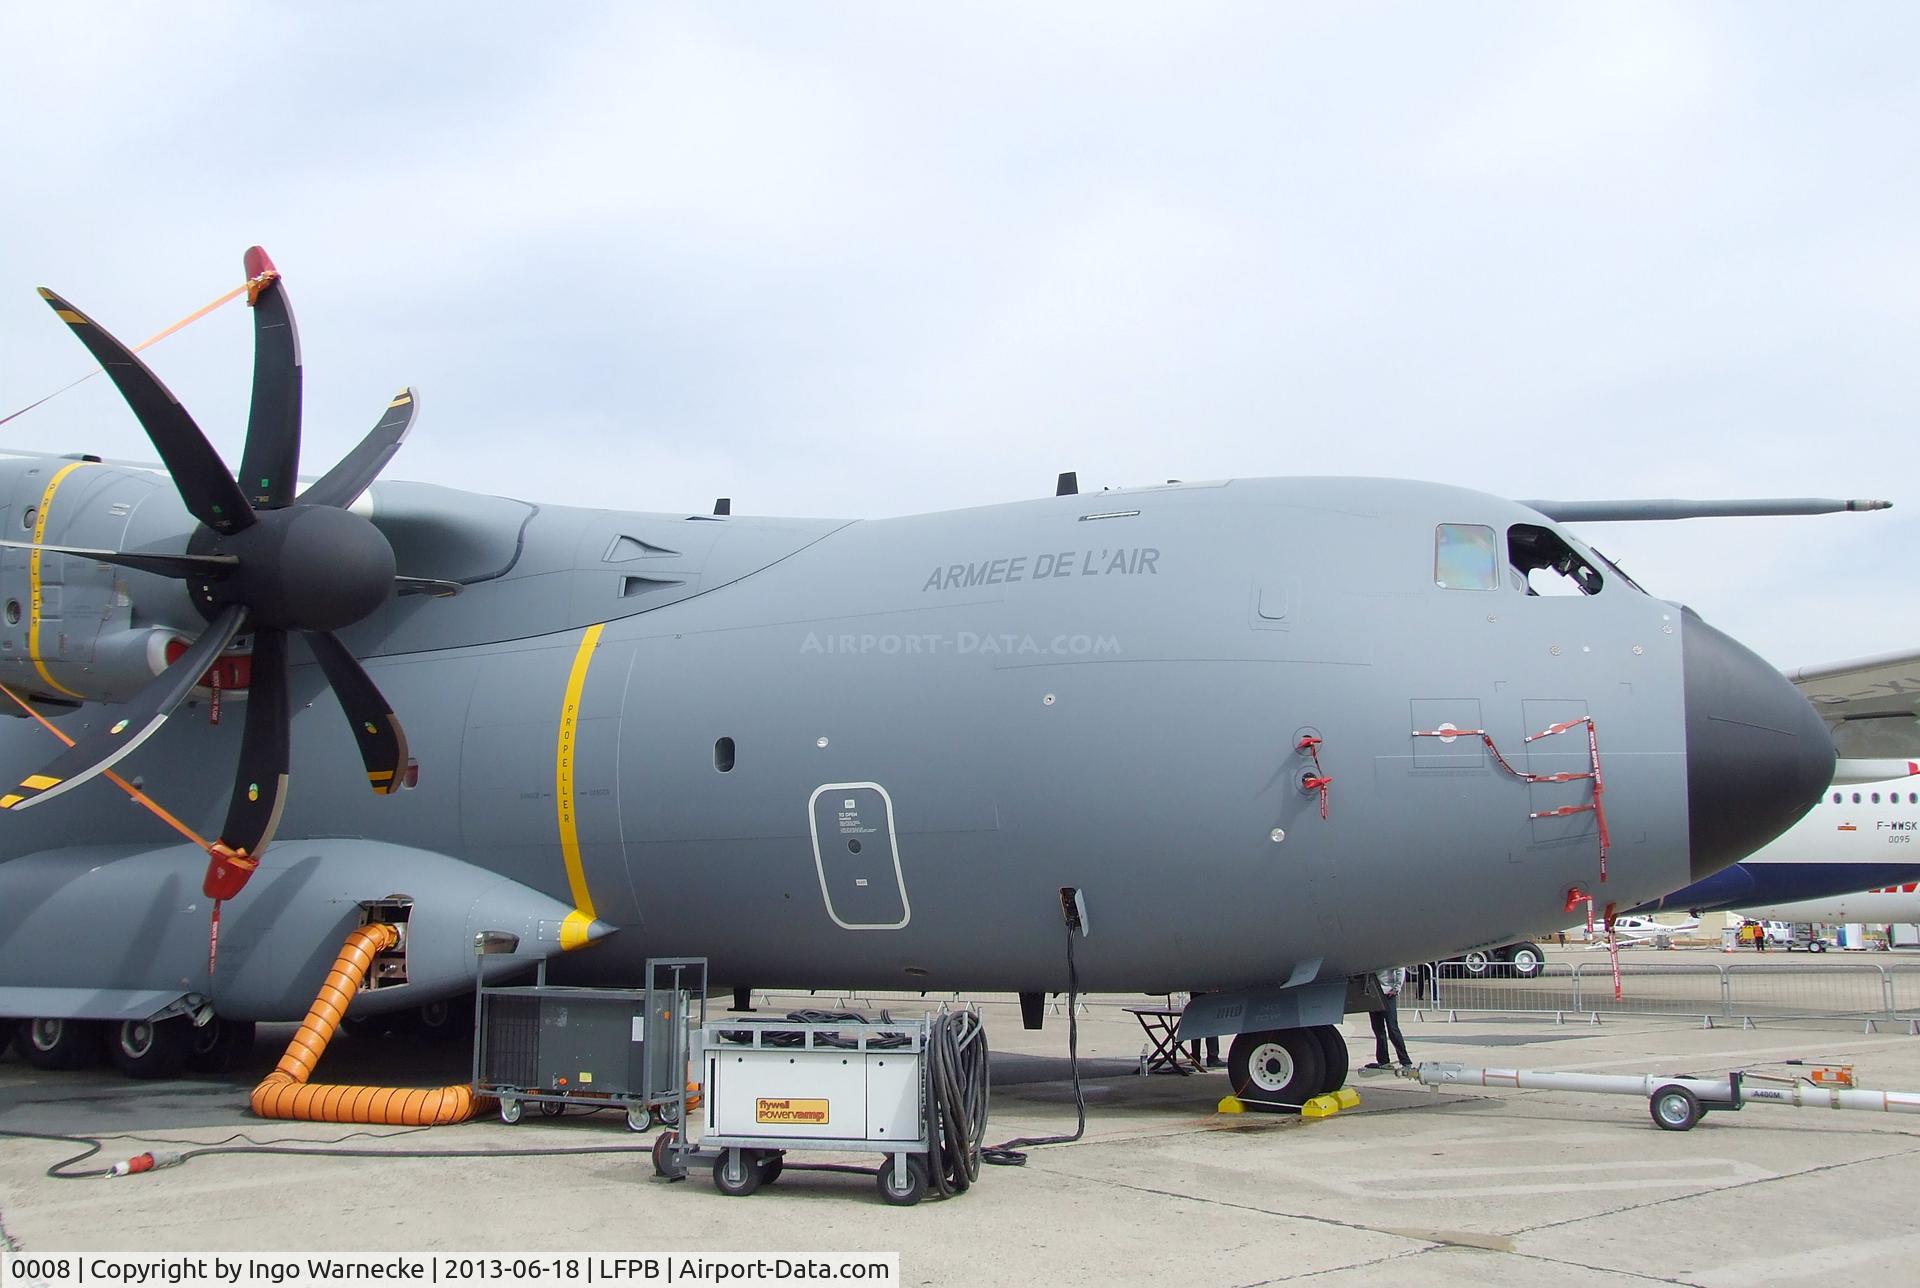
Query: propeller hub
(307,567)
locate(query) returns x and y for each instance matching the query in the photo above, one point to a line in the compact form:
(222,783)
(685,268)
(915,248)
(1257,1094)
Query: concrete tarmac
(1471,1187)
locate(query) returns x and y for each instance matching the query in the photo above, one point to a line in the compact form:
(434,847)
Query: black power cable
(1009,1153)
(957,1087)
(318,1149)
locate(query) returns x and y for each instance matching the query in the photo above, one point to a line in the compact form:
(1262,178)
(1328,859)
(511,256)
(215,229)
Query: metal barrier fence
(1744,992)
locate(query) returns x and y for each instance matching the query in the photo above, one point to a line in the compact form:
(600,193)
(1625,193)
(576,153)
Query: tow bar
(1677,1101)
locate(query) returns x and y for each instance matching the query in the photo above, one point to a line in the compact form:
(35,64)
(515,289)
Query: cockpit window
(1545,564)
(1464,557)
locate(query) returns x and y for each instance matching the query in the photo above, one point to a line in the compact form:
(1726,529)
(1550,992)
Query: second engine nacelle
(72,628)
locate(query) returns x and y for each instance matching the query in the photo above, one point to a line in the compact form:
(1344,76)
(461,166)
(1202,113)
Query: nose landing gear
(1278,1070)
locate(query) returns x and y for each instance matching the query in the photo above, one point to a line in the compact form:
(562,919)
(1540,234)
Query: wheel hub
(1272,1066)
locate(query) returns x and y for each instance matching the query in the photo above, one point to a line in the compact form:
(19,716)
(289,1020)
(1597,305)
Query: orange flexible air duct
(285,1093)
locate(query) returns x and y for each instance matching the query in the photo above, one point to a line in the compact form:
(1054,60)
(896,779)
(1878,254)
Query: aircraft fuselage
(871,754)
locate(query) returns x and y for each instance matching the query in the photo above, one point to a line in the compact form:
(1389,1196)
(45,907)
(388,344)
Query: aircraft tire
(58,1044)
(444,1021)
(1526,960)
(1333,1055)
(221,1046)
(150,1048)
(1276,1070)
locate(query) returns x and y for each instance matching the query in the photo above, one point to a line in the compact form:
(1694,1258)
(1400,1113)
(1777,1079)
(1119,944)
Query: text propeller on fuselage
(261,560)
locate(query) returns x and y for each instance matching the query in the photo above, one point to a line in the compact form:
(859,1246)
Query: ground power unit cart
(913,1090)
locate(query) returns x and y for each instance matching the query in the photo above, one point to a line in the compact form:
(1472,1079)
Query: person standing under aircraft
(1386,1020)
(1213,1047)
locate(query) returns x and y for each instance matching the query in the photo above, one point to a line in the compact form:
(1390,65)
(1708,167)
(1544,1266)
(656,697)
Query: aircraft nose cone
(1758,755)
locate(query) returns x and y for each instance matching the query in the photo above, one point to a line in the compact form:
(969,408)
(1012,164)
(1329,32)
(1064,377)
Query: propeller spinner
(262,560)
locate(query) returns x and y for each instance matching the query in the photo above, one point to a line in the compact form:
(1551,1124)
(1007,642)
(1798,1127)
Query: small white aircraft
(1631,931)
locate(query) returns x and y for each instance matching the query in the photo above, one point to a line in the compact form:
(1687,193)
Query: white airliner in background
(1860,837)
(1892,905)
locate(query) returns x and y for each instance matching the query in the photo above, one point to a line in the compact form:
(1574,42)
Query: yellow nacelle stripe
(33,577)
(568,818)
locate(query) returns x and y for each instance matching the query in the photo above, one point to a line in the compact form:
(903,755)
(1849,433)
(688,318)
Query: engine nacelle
(74,629)
(145,910)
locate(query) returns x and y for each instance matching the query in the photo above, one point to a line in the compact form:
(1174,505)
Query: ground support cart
(593,1048)
(842,1086)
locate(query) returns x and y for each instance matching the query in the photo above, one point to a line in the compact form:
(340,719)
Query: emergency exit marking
(790,1111)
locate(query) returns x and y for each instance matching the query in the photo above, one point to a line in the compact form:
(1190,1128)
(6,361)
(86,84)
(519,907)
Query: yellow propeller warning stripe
(30,786)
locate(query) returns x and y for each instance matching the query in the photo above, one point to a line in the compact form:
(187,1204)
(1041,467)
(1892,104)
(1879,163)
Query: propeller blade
(140,719)
(383,743)
(343,484)
(185,567)
(271,459)
(209,491)
(260,783)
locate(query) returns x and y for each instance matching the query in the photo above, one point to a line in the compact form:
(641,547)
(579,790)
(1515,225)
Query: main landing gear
(58,1044)
(1278,1070)
(138,1048)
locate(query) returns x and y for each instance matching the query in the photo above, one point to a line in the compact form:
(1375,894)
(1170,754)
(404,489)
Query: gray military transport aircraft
(1256,736)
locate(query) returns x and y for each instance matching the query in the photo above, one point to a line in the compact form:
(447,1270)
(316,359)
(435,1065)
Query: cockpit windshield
(1539,561)
(1545,564)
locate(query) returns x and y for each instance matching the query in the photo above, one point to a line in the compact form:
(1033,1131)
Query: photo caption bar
(270,1270)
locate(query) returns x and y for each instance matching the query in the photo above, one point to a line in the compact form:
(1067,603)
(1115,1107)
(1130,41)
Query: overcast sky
(866,260)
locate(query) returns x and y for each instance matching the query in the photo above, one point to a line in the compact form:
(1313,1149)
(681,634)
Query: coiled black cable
(957,1087)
